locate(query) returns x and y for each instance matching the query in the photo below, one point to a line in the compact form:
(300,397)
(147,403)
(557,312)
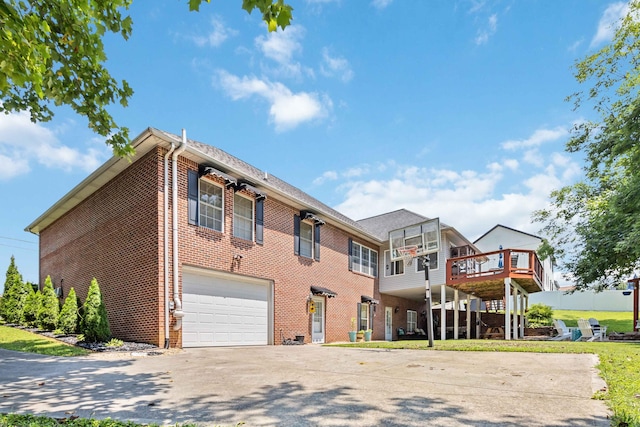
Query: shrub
(95,324)
(49,307)
(68,320)
(14,296)
(31,307)
(539,315)
(115,342)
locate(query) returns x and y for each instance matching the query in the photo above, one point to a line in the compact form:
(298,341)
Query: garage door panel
(221,311)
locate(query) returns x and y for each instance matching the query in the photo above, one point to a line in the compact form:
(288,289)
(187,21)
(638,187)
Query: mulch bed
(101,347)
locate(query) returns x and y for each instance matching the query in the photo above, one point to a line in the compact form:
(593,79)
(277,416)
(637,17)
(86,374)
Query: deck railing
(494,265)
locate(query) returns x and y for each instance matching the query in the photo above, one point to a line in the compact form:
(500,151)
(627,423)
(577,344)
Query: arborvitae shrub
(31,307)
(95,324)
(49,307)
(68,319)
(14,296)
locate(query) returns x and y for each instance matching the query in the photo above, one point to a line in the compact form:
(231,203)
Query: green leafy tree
(49,307)
(15,294)
(594,225)
(95,324)
(53,54)
(68,320)
(31,307)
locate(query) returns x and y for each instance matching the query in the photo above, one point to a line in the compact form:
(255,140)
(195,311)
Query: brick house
(194,247)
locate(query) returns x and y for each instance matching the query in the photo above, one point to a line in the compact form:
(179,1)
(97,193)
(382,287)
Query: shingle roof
(381,225)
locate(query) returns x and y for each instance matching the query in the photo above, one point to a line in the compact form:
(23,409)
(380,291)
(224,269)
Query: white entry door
(388,323)
(317,332)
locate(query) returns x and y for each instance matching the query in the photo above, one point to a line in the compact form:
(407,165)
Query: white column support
(456,313)
(468,308)
(507,308)
(522,320)
(443,312)
(514,313)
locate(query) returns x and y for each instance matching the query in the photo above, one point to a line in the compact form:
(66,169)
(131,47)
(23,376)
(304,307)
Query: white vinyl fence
(610,300)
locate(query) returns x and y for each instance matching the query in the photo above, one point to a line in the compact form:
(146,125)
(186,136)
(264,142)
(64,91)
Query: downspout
(178,314)
(166,245)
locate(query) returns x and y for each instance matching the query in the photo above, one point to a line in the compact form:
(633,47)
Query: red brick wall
(113,236)
(275,260)
(116,235)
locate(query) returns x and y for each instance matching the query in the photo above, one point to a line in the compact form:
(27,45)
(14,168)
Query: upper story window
(306,239)
(306,235)
(392,268)
(211,205)
(433,262)
(242,217)
(206,204)
(363,259)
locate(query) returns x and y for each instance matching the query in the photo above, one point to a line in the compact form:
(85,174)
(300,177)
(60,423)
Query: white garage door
(224,311)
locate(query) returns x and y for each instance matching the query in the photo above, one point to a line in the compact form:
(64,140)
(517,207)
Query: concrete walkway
(310,385)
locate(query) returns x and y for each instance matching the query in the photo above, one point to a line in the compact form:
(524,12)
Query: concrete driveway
(310,385)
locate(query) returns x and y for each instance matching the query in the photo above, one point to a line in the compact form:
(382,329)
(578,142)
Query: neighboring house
(505,237)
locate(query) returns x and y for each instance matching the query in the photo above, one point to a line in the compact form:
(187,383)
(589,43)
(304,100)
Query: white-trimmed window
(306,239)
(433,262)
(242,217)
(363,259)
(392,268)
(211,205)
(412,320)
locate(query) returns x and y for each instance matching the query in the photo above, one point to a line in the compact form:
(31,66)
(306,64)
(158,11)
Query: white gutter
(178,314)
(166,245)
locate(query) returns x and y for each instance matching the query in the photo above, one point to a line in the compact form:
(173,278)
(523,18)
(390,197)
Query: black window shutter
(316,252)
(358,317)
(192,184)
(260,221)
(296,234)
(350,254)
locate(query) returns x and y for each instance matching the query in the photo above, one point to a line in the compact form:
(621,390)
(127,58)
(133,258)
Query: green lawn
(616,321)
(20,340)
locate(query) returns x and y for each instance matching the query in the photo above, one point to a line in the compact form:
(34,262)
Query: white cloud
(609,23)
(332,66)
(488,31)
(23,143)
(327,176)
(476,6)
(287,109)
(472,201)
(381,4)
(539,137)
(512,164)
(281,47)
(219,33)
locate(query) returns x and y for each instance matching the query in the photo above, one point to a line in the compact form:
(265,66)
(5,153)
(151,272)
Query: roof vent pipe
(178,314)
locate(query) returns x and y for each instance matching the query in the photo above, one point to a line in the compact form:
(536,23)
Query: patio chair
(564,332)
(597,328)
(588,333)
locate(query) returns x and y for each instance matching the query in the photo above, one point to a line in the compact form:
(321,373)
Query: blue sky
(452,109)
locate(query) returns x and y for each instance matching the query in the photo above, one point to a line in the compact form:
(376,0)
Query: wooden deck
(483,275)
